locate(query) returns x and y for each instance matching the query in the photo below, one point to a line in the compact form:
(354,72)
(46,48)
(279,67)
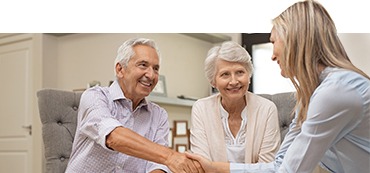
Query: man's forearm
(126,141)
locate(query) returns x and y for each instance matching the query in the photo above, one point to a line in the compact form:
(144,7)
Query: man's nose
(150,72)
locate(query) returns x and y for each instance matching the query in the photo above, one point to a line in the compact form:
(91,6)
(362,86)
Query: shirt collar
(117,94)
(327,71)
(116,91)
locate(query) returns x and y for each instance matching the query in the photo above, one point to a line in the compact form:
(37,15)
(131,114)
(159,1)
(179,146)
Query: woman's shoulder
(338,81)
(257,99)
(207,100)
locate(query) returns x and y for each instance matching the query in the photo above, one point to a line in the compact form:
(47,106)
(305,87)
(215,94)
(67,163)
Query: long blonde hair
(310,39)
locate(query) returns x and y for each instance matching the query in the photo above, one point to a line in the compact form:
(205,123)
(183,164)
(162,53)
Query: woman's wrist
(221,167)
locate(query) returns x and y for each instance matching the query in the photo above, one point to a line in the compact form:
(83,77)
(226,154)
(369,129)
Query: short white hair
(229,51)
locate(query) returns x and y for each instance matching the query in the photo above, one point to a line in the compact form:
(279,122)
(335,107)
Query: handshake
(193,163)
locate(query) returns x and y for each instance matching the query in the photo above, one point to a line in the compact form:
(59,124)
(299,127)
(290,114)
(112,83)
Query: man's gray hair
(126,52)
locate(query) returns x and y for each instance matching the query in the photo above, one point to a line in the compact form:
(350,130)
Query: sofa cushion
(58,114)
(285,103)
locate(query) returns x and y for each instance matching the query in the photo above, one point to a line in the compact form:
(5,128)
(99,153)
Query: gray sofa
(58,114)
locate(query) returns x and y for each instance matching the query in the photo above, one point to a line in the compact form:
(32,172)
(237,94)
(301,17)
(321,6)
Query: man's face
(141,74)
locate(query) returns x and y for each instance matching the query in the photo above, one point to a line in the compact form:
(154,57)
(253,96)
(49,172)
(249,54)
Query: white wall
(358,49)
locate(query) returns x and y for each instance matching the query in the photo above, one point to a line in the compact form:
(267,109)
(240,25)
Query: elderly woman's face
(231,79)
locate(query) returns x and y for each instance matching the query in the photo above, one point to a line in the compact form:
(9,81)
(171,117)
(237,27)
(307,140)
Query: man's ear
(119,70)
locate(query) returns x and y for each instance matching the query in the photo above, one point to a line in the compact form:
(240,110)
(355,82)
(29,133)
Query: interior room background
(81,58)
(71,61)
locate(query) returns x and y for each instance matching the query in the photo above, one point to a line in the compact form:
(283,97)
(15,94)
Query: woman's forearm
(221,167)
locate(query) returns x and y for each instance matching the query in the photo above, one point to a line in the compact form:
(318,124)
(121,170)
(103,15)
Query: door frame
(248,40)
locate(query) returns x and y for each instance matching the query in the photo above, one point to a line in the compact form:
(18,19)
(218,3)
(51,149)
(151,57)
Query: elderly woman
(233,125)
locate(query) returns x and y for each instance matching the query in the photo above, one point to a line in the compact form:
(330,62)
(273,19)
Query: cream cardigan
(263,132)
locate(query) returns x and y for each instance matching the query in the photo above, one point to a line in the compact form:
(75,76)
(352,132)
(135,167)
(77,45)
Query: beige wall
(86,57)
(82,58)
(182,59)
(358,49)
(73,60)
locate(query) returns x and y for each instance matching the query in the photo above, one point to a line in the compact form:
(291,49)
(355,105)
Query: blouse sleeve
(271,139)
(198,137)
(330,113)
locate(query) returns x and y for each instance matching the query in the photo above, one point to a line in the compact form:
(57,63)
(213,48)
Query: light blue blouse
(336,133)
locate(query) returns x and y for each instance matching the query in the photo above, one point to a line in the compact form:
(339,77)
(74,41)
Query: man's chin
(146,94)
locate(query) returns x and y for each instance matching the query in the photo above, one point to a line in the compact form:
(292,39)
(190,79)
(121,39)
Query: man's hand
(205,163)
(209,166)
(179,163)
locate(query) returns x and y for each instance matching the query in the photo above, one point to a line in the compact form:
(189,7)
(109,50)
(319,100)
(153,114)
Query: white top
(235,146)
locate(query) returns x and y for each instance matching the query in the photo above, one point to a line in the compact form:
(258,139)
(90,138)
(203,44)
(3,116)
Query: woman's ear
(213,84)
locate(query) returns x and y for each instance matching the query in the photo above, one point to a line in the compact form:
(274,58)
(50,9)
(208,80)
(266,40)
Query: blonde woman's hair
(310,38)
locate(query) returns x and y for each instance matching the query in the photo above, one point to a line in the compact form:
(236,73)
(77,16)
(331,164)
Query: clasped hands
(188,163)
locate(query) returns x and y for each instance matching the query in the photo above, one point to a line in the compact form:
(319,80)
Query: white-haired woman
(233,125)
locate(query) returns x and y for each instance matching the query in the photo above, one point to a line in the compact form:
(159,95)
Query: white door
(16,107)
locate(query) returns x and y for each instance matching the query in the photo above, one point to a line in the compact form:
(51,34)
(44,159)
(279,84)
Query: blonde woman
(332,122)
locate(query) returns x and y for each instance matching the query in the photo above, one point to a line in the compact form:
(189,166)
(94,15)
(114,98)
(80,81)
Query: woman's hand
(209,166)
(180,163)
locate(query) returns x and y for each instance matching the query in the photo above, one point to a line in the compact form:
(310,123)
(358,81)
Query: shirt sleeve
(151,166)
(288,139)
(330,112)
(160,137)
(255,168)
(95,119)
